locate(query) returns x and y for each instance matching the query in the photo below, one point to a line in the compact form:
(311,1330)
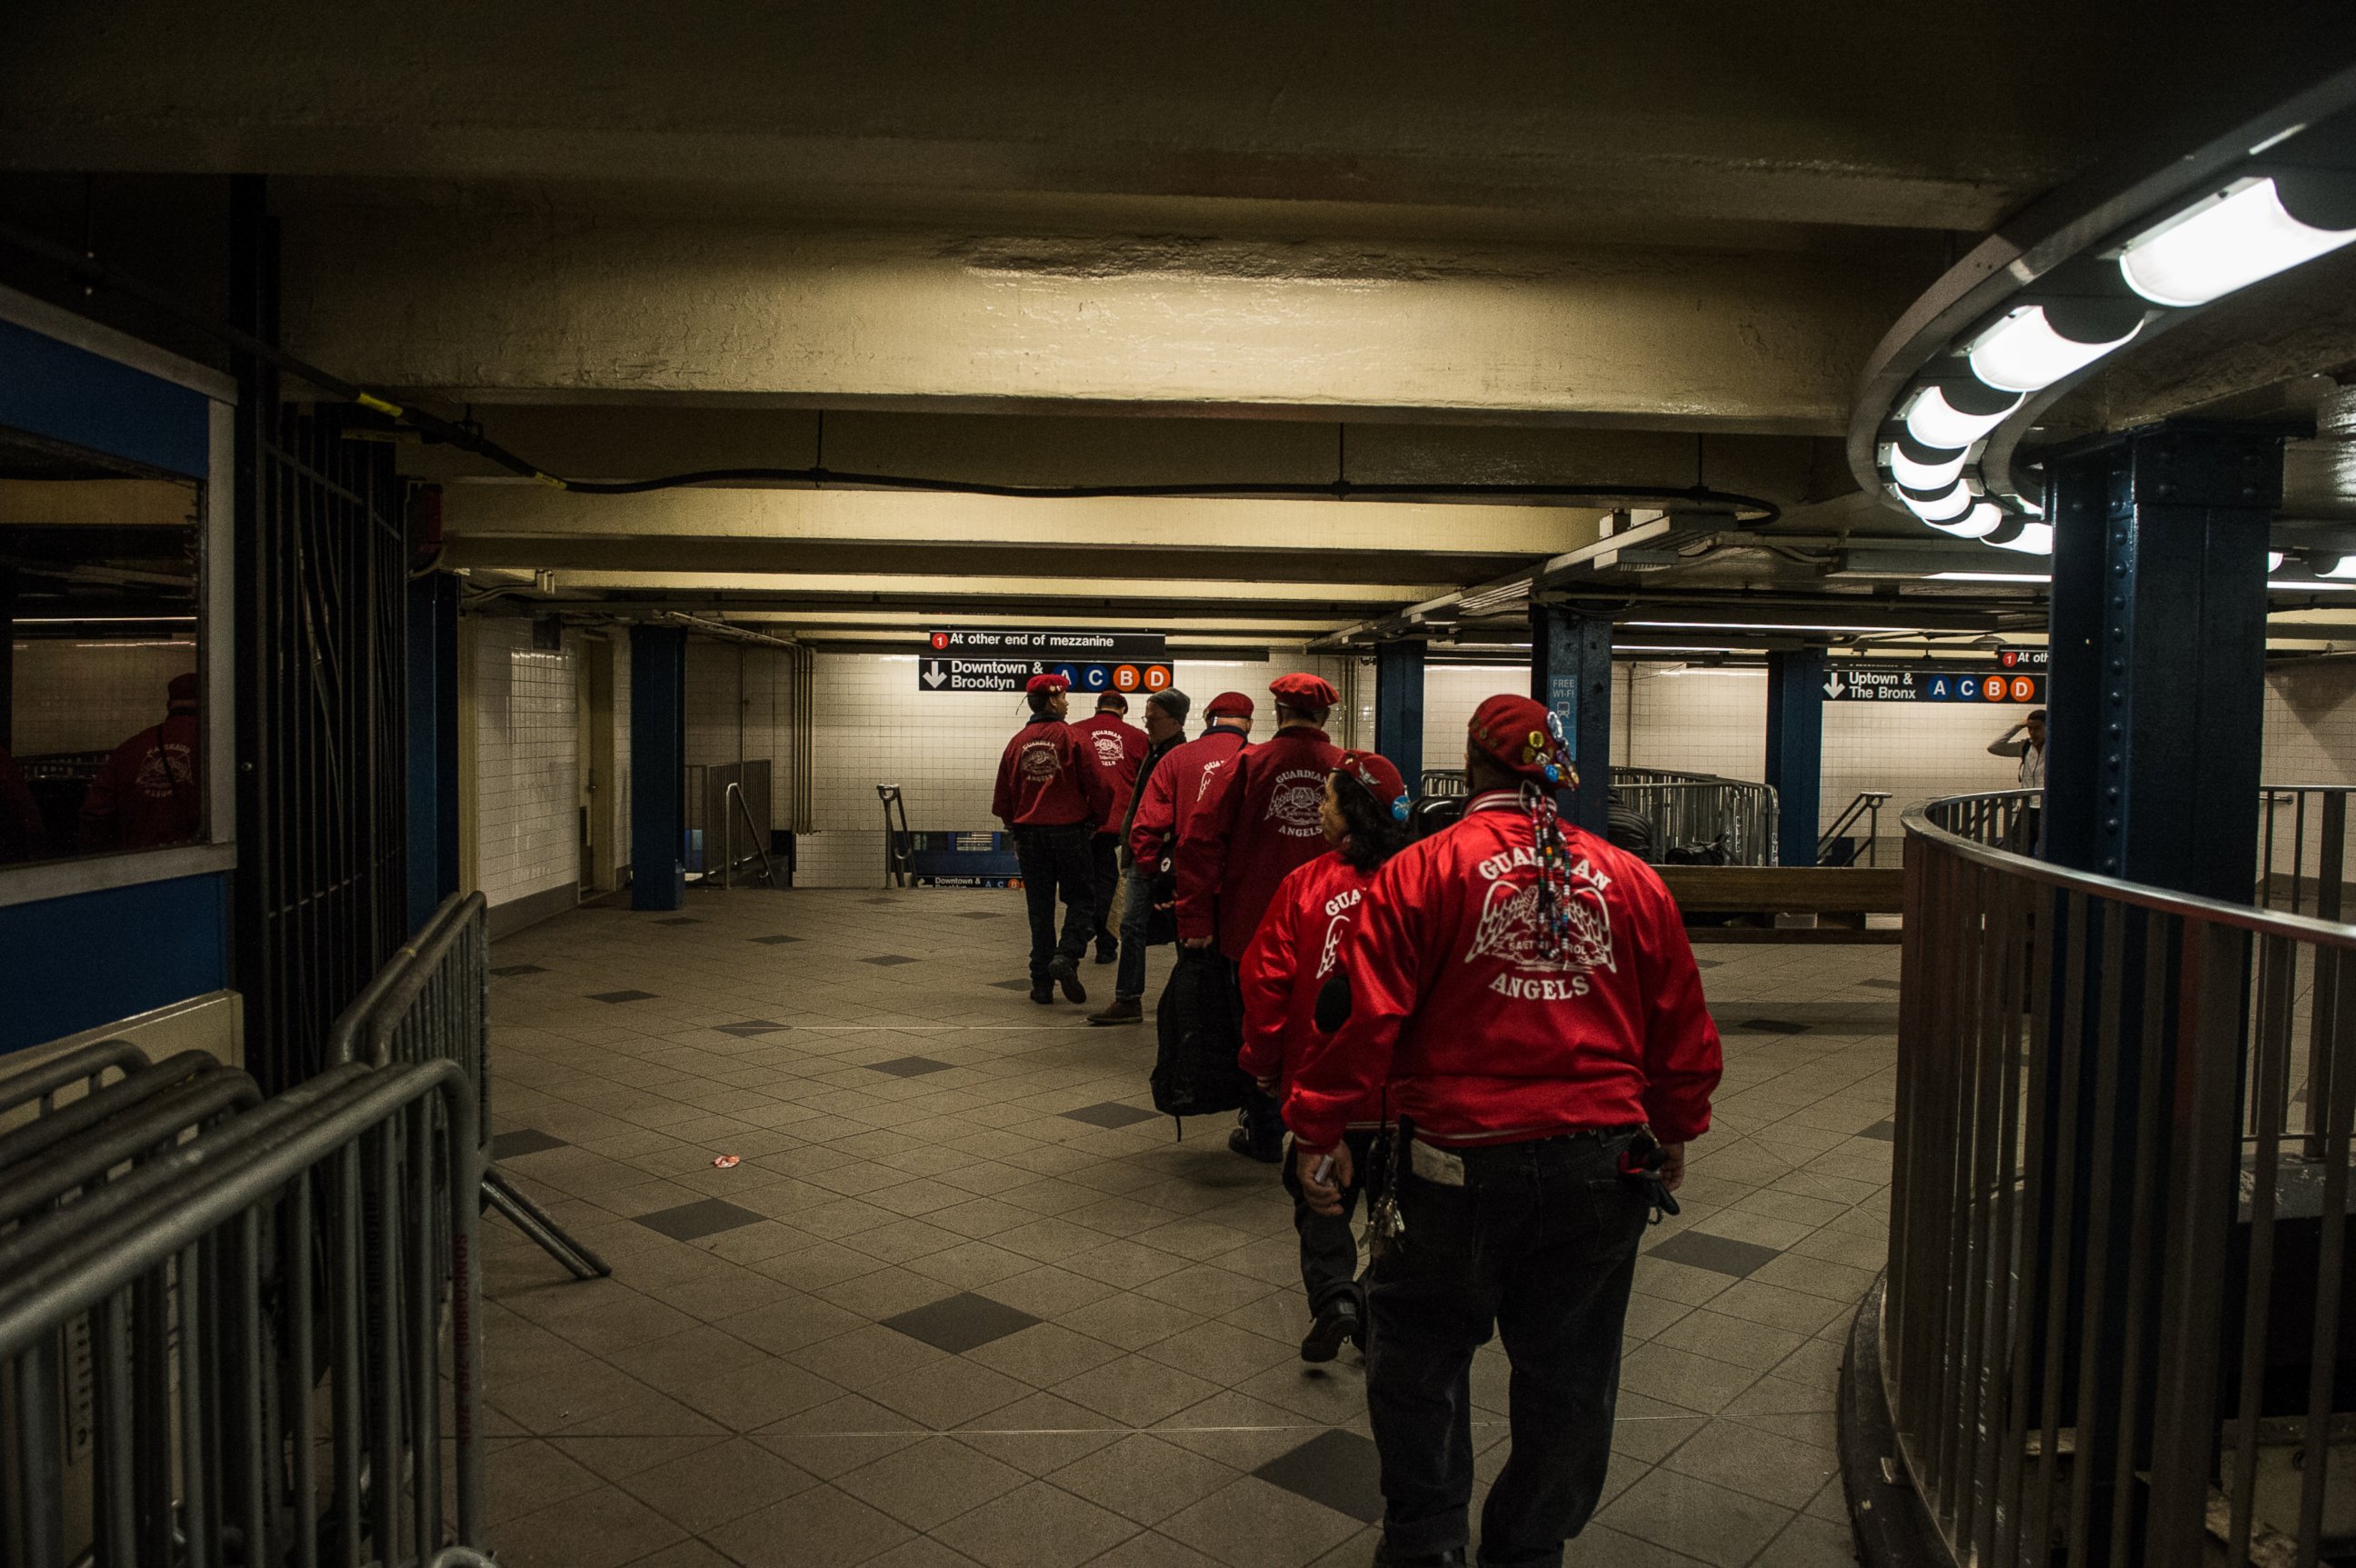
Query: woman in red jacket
(1293,953)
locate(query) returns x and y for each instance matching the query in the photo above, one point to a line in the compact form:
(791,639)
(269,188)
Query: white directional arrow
(934,674)
(1833,685)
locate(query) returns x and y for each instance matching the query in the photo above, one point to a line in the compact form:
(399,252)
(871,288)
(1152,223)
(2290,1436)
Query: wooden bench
(1840,896)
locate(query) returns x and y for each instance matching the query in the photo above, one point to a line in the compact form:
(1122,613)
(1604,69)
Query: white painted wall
(89,696)
(527,762)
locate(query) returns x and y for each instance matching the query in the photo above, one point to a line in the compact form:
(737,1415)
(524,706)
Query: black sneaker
(1064,970)
(1267,1154)
(1452,1557)
(1108,952)
(1337,1322)
(1042,992)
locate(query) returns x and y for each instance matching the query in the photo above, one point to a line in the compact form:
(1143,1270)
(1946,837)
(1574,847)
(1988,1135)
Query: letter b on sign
(1125,677)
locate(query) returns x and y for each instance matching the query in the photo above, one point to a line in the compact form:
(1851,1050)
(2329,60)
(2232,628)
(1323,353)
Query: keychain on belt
(1640,1166)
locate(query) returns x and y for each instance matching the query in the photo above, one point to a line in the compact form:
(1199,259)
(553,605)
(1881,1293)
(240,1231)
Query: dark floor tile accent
(884,900)
(908,1066)
(1336,1468)
(1880,984)
(1886,1130)
(1707,962)
(1773,1026)
(1719,1254)
(775,942)
(1010,984)
(523,1141)
(705,1217)
(679,920)
(888,961)
(981,914)
(623,996)
(511,970)
(1110,1113)
(752,1027)
(960,1323)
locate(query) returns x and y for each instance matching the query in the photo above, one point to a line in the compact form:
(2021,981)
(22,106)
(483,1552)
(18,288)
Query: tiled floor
(966,1300)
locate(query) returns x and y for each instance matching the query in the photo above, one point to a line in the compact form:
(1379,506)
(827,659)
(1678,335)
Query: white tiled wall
(89,696)
(527,761)
(621,638)
(2311,724)
(739,709)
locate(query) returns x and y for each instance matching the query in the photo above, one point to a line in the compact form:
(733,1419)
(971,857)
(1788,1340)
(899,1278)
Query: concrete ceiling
(1047,243)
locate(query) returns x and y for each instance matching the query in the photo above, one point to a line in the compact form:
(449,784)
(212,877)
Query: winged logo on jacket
(1509,930)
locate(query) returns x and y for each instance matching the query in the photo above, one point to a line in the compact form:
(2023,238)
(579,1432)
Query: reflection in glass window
(101,717)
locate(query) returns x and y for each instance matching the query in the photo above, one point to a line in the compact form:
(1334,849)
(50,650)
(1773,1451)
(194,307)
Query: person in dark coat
(1165,732)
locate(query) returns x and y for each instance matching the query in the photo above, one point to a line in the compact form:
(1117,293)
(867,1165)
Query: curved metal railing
(2115,1325)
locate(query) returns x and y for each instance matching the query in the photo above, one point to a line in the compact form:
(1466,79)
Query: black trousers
(1055,862)
(1260,1117)
(1329,1246)
(1538,1244)
(1103,880)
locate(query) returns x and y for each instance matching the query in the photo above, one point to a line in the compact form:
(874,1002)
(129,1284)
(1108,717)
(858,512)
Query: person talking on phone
(1295,955)
(1524,1000)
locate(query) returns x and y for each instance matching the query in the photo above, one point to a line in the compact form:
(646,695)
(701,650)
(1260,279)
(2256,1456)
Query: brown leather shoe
(1123,1010)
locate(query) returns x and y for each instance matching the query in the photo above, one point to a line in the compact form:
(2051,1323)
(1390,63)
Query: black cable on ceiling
(1754,511)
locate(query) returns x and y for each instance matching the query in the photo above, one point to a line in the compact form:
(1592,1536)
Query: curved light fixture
(2026,352)
(2228,241)
(2119,257)
(1934,421)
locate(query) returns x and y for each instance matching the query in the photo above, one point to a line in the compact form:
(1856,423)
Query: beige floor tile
(1038,1526)
(603,1529)
(931,1481)
(819,1528)
(715,1484)
(1250,1524)
(1144,1478)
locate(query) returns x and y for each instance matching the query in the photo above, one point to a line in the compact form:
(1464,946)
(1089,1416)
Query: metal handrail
(898,848)
(1918,818)
(1866,803)
(88,1063)
(2089,1338)
(735,792)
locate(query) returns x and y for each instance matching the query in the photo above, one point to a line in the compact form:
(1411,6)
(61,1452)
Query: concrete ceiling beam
(480,306)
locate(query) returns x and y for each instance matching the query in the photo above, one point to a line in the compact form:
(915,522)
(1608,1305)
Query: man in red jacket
(1165,812)
(1116,748)
(1051,800)
(151,791)
(1524,996)
(1258,821)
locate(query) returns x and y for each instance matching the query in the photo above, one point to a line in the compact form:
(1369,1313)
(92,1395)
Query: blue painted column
(1570,673)
(1399,709)
(1795,750)
(2157,671)
(657,766)
(432,698)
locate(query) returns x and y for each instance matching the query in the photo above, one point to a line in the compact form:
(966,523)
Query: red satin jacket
(1296,948)
(1483,1038)
(1045,782)
(1259,821)
(1175,790)
(1117,748)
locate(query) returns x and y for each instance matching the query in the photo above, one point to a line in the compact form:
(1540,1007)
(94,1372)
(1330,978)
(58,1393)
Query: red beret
(1229,704)
(1112,700)
(1523,734)
(1304,691)
(1050,681)
(1382,779)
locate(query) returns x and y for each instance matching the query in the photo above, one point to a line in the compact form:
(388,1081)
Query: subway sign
(1931,683)
(1135,663)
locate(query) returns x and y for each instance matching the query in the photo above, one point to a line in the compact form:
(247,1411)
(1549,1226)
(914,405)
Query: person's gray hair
(1174,703)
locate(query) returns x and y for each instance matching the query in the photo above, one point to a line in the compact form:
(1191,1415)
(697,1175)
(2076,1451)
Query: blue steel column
(1570,673)
(658,765)
(1399,709)
(2158,671)
(1795,750)
(432,698)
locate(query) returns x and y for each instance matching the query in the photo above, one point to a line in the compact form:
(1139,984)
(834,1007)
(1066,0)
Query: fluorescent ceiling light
(1977,523)
(103,620)
(2294,586)
(2226,243)
(1917,475)
(1935,422)
(2034,539)
(2023,353)
(1941,508)
(1762,625)
(2343,567)
(1987,577)
(2274,561)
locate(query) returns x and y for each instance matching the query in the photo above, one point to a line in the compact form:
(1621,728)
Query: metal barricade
(430,1002)
(1695,818)
(2116,1326)
(2303,848)
(191,1270)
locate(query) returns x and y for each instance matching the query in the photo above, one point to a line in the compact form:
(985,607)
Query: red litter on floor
(724,1161)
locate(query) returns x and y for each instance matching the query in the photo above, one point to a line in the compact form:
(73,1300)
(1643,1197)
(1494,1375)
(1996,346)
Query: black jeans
(1540,1242)
(1103,880)
(1263,1121)
(1056,860)
(1329,1246)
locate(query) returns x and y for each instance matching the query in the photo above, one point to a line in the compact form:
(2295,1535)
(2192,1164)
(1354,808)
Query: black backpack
(1200,1025)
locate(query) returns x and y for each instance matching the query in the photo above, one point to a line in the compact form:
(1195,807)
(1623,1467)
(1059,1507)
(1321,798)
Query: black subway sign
(1922,683)
(1132,663)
